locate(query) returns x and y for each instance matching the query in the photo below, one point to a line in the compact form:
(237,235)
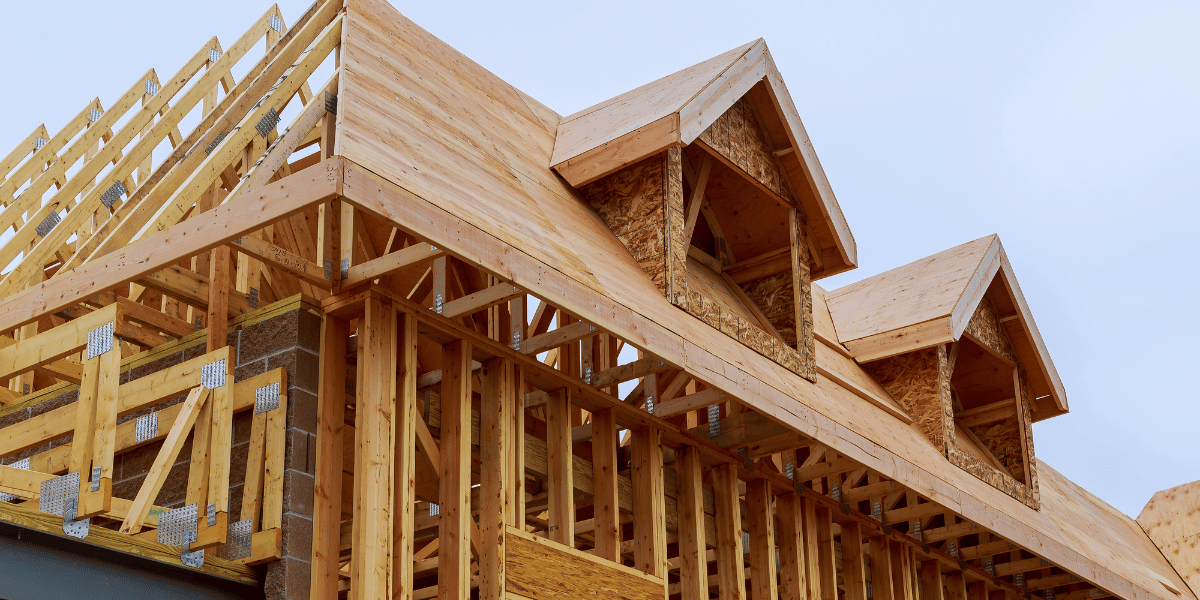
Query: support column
(826,555)
(649,504)
(454,535)
(372,525)
(931,580)
(404,480)
(853,563)
(731,572)
(762,540)
(496,491)
(604,484)
(560,474)
(331,415)
(881,569)
(693,562)
(792,580)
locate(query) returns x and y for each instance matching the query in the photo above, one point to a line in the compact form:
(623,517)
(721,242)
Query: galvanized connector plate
(437,302)
(47,225)
(238,541)
(266,398)
(216,142)
(195,559)
(38,143)
(210,515)
(253,300)
(173,524)
(434,510)
(100,340)
(268,123)
(96,478)
(71,526)
(649,403)
(516,341)
(55,493)
(95,115)
(212,375)
(147,428)
(714,420)
(213,54)
(276,23)
(331,102)
(112,194)
(151,87)
(20,464)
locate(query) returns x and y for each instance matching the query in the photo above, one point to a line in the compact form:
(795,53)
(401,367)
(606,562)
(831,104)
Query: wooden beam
(693,209)
(496,486)
(372,564)
(481,300)
(454,552)
(297,265)
(559,488)
(558,337)
(193,289)
(693,562)
(331,414)
(404,480)
(688,403)
(731,571)
(762,539)
(417,254)
(793,581)
(649,499)
(163,462)
(605,502)
(153,253)
(881,568)
(626,372)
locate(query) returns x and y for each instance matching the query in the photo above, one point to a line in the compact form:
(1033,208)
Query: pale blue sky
(1069,128)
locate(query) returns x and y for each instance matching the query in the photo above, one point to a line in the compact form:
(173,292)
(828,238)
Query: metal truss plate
(276,23)
(174,524)
(253,300)
(96,478)
(714,421)
(151,87)
(191,559)
(790,469)
(100,340)
(72,527)
(649,399)
(331,102)
(95,115)
(213,54)
(266,398)
(346,271)
(587,378)
(20,464)
(147,428)
(745,542)
(210,515)
(747,463)
(434,510)
(212,375)
(516,341)
(238,541)
(112,194)
(39,142)
(216,142)
(43,229)
(835,490)
(268,123)
(55,493)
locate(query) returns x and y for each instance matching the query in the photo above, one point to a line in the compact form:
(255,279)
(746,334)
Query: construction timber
(405,332)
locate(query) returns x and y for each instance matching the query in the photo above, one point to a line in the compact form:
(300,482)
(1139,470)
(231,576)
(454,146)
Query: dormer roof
(675,110)
(930,301)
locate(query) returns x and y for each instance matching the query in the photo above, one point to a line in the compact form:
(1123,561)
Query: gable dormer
(708,179)
(951,338)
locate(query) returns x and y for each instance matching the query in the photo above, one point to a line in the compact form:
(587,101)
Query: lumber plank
(792,566)
(327,514)
(157,475)
(560,489)
(731,571)
(762,539)
(454,553)
(693,560)
(496,493)
(292,263)
(649,497)
(605,499)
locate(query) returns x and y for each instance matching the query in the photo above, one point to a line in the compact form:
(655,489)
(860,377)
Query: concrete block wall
(289,340)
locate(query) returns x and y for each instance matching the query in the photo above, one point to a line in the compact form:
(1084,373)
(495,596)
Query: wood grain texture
(913,379)
(542,570)
(738,135)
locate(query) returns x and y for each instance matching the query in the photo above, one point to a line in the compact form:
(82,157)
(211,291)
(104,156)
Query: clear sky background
(1070,128)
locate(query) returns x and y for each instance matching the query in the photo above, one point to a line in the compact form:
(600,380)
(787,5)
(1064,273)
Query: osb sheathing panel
(1003,440)
(985,327)
(776,299)
(1172,519)
(677,246)
(739,137)
(990,475)
(1027,424)
(808,340)
(633,203)
(914,380)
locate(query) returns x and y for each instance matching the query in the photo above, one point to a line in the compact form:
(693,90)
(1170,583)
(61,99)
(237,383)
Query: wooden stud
(731,571)
(497,402)
(826,555)
(454,552)
(164,461)
(560,489)
(607,531)
(853,561)
(902,567)
(404,483)
(762,539)
(693,563)
(931,580)
(649,501)
(331,411)
(792,575)
(372,525)
(881,568)
(956,586)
